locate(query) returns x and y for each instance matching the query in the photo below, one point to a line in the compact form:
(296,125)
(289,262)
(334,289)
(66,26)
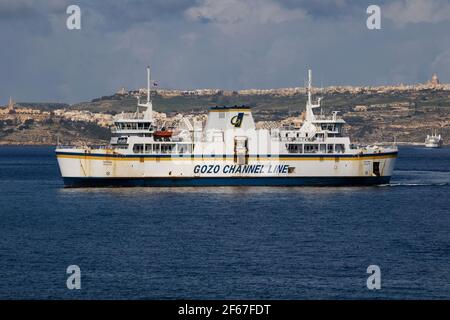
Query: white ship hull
(103,169)
(433,145)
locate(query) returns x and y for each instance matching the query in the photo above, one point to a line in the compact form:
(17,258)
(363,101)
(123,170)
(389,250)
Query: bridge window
(143,125)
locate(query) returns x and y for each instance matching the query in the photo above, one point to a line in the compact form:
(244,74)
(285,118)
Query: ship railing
(298,139)
(84,146)
(129,116)
(325,117)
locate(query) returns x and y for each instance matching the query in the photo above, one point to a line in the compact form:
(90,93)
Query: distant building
(434,80)
(122,91)
(9,108)
(360,108)
(11,104)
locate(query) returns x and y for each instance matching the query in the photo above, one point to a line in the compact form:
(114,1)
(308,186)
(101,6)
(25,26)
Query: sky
(227,44)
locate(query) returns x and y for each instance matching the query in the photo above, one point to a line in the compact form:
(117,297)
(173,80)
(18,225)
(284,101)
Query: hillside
(406,116)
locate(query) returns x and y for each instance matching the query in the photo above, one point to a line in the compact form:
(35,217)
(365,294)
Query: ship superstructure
(226,150)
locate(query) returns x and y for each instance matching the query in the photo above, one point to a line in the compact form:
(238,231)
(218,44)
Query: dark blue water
(233,242)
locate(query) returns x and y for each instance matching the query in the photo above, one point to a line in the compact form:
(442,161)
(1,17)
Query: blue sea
(224,243)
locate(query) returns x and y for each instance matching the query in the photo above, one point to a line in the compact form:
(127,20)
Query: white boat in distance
(227,150)
(434,141)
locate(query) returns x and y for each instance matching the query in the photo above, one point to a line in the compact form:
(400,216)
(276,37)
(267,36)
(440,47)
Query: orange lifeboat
(163,134)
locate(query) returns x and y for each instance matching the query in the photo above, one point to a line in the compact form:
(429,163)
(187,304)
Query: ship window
(340,148)
(221,115)
(122,140)
(184,148)
(156,148)
(323,148)
(329,148)
(311,148)
(143,125)
(148,148)
(167,148)
(138,148)
(293,148)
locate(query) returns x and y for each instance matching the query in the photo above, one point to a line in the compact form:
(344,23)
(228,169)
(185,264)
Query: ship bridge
(138,124)
(132,123)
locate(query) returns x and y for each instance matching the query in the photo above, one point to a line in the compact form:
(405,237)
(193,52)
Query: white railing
(129,116)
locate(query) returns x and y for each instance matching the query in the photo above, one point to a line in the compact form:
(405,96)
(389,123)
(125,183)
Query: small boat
(434,141)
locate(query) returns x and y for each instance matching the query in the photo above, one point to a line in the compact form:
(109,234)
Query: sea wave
(406,184)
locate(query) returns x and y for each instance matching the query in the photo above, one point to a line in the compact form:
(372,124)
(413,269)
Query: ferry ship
(434,141)
(226,150)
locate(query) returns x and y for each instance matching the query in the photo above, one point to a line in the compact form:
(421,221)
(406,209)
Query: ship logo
(236,121)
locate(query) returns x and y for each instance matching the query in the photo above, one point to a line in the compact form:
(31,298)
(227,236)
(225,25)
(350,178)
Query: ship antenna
(309,86)
(309,105)
(148,84)
(148,114)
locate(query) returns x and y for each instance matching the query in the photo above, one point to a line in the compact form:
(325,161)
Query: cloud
(23,9)
(226,44)
(404,12)
(250,11)
(441,63)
